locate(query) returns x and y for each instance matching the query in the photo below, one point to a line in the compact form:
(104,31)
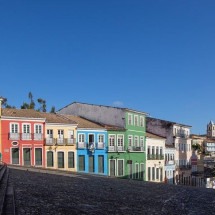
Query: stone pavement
(44,192)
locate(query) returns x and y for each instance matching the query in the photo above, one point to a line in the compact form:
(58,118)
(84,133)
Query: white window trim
(115,166)
(136,116)
(14,123)
(84,137)
(11,155)
(131,115)
(123,166)
(120,138)
(35,155)
(114,139)
(53,158)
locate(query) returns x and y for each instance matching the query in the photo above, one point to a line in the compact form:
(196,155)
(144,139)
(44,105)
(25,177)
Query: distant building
(211,129)
(155,157)
(178,136)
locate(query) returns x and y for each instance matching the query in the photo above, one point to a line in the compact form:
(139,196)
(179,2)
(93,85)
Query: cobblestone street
(50,192)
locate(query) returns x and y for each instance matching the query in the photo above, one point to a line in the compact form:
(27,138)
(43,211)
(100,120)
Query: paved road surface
(50,193)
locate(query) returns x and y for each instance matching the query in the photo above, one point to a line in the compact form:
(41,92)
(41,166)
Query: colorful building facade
(22,137)
(126,136)
(91,146)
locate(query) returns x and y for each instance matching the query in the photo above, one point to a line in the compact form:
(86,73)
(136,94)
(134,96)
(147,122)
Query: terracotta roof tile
(29,113)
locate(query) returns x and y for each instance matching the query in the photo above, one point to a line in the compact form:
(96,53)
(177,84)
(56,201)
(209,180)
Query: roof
(155,136)
(170,122)
(33,114)
(120,108)
(82,122)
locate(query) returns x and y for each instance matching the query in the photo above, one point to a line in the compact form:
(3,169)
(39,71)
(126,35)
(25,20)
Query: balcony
(70,141)
(14,136)
(50,141)
(171,162)
(100,146)
(25,136)
(155,157)
(116,148)
(136,148)
(81,145)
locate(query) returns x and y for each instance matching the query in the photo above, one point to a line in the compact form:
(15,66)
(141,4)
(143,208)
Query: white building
(155,157)
(178,136)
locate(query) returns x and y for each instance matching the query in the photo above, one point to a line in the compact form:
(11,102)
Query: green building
(126,136)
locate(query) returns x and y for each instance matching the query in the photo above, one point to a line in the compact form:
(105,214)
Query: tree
(52,109)
(42,102)
(32,104)
(6,105)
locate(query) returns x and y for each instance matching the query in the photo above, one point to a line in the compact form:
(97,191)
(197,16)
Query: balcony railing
(81,145)
(171,162)
(116,148)
(155,157)
(25,136)
(59,141)
(136,148)
(100,146)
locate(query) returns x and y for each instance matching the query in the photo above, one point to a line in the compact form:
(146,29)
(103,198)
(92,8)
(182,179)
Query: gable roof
(33,114)
(82,122)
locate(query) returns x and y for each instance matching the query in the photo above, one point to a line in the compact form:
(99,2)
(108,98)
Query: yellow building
(60,142)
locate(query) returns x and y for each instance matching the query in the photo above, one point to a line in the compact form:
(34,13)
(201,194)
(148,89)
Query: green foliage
(52,109)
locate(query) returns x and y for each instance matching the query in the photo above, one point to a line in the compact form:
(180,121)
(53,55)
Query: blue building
(92,145)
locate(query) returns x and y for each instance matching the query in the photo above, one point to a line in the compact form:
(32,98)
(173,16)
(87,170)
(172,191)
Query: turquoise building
(91,146)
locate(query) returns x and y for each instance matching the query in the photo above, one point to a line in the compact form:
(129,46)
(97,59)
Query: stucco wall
(97,113)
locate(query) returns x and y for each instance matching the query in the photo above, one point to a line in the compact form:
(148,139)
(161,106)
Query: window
(81,138)
(38,129)
(120,167)
(157,150)
(161,151)
(157,173)
(15,155)
(136,170)
(50,159)
(120,140)
(101,138)
(26,132)
(60,159)
(60,134)
(149,150)
(136,141)
(111,140)
(130,140)
(71,160)
(101,164)
(14,131)
(141,141)
(14,128)
(37,132)
(136,120)
(153,150)
(149,173)
(142,121)
(130,121)
(49,133)
(81,159)
(153,173)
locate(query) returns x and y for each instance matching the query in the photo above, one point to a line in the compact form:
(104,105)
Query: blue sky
(154,56)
